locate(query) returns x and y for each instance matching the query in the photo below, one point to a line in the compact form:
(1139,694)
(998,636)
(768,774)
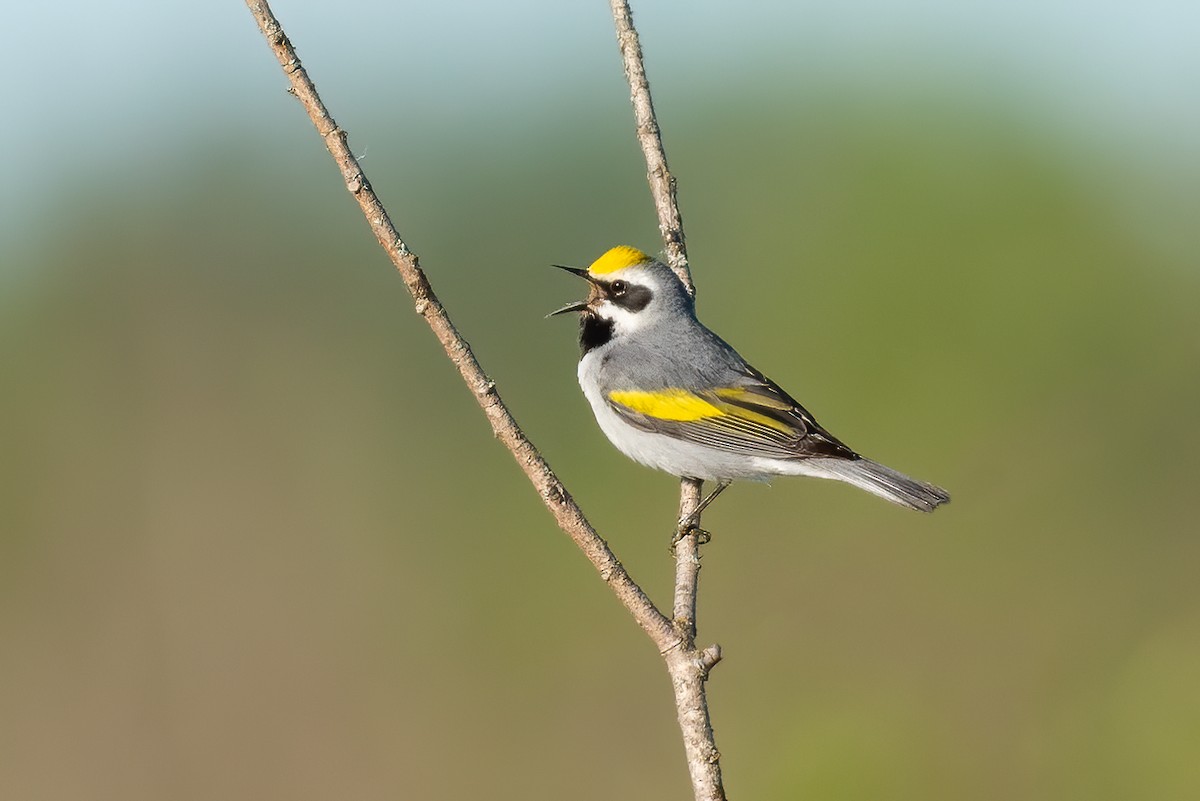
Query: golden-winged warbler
(672,395)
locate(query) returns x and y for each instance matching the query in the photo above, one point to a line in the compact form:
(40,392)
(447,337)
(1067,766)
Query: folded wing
(754,417)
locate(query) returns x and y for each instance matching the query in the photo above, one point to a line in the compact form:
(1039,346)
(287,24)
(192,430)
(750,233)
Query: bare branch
(689,670)
(662,183)
(556,498)
(687,564)
(688,667)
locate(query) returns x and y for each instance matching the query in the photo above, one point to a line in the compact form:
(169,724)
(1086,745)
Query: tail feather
(886,483)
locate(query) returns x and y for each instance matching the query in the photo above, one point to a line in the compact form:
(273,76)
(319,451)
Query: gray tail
(887,483)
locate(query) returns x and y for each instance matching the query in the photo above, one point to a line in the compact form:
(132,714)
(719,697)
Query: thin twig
(566,513)
(687,564)
(688,667)
(662,183)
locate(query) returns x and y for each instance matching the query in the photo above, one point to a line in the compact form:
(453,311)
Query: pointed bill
(580,271)
(577,306)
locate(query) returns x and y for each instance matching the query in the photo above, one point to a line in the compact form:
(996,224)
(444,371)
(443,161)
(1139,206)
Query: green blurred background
(256,540)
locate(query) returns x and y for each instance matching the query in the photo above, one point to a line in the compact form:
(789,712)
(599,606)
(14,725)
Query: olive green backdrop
(256,540)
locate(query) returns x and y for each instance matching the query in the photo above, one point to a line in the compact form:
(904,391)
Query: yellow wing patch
(618,258)
(726,404)
(666,404)
(757,419)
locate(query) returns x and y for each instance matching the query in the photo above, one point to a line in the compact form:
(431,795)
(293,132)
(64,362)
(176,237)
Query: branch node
(709,658)
(612,570)
(555,494)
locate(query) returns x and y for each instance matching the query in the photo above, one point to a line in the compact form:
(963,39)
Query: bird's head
(629,290)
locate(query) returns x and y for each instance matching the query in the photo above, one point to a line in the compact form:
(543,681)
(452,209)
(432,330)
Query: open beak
(579,305)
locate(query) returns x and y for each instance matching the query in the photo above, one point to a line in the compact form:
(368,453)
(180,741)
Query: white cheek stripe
(624,321)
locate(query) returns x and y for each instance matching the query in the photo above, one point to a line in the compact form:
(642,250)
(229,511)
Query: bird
(674,396)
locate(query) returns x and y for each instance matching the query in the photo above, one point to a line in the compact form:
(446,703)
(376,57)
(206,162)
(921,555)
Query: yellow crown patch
(618,258)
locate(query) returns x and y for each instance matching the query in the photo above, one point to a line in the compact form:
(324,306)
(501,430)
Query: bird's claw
(685,529)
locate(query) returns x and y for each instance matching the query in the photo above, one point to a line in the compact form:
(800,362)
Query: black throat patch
(593,331)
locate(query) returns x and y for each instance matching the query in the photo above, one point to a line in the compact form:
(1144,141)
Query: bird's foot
(691,522)
(686,527)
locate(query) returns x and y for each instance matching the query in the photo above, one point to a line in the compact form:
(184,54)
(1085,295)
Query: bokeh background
(257,542)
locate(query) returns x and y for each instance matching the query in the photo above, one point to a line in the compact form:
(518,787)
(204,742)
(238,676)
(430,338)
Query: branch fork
(675,636)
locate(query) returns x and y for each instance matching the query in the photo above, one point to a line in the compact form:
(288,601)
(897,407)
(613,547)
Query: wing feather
(754,418)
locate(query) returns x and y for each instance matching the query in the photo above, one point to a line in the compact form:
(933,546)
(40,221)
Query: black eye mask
(634,298)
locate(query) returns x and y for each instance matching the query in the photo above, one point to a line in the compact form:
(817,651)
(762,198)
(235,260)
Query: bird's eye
(619,287)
